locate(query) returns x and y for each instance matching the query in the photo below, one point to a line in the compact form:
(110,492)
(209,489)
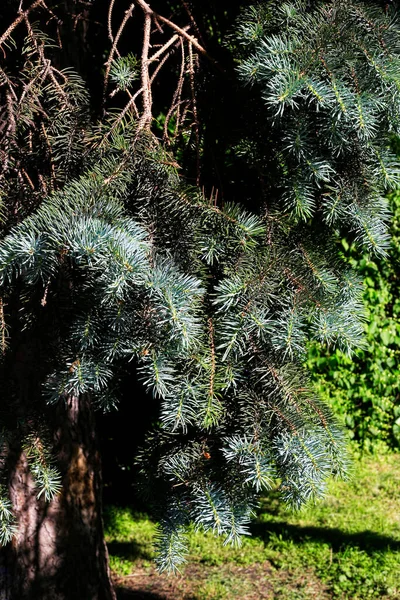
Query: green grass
(346,546)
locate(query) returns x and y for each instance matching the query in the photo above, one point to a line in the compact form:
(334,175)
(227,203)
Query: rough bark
(59,552)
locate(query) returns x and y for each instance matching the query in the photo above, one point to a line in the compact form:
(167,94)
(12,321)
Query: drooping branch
(194,105)
(3,329)
(109,21)
(21,17)
(180,37)
(146,118)
(182,32)
(176,100)
(164,48)
(192,21)
(114,49)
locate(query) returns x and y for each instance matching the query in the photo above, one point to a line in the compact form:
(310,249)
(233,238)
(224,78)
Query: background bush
(364,389)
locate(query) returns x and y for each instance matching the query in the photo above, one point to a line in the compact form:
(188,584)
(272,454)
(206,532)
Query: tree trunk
(59,552)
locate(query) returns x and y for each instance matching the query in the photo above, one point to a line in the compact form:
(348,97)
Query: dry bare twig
(176,100)
(21,17)
(147,116)
(114,49)
(181,31)
(195,116)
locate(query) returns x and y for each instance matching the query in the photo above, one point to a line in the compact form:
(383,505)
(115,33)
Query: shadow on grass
(130,550)
(367,540)
(126,594)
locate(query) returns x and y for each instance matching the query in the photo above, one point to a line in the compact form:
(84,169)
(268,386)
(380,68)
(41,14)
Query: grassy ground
(347,546)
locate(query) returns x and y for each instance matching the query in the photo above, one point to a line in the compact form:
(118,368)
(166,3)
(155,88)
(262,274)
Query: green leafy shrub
(364,389)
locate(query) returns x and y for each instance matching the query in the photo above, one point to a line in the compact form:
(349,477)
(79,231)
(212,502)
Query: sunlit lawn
(346,546)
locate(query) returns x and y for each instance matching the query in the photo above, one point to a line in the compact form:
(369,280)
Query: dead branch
(53,78)
(109,21)
(29,180)
(147,116)
(176,100)
(49,70)
(161,51)
(192,20)
(3,329)
(180,84)
(114,50)
(29,85)
(131,103)
(148,10)
(153,22)
(50,153)
(194,107)
(11,117)
(9,83)
(169,115)
(23,15)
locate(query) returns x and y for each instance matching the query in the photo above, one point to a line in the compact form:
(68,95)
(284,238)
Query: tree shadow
(367,540)
(130,550)
(127,594)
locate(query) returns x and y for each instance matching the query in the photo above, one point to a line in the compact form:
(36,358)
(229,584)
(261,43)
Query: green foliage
(363,390)
(46,476)
(328,76)
(136,289)
(124,71)
(7,521)
(120,566)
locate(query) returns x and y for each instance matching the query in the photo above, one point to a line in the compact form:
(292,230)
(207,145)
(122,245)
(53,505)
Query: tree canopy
(114,251)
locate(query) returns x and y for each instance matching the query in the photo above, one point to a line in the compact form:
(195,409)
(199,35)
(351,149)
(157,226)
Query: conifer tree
(122,261)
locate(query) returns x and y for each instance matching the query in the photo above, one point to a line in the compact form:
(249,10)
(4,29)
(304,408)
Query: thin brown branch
(11,117)
(190,38)
(18,20)
(114,50)
(53,78)
(147,116)
(10,84)
(49,69)
(176,100)
(28,86)
(195,116)
(159,66)
(158,26)
(3,329)
(50,151)
(29,180)
(53,16)
(192,20)
(213,359)
(43,301)
(131,103)
(186,107)
(173,107)
(42,183)
(165,47)
(109,21)
(181,81)
(148,10)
